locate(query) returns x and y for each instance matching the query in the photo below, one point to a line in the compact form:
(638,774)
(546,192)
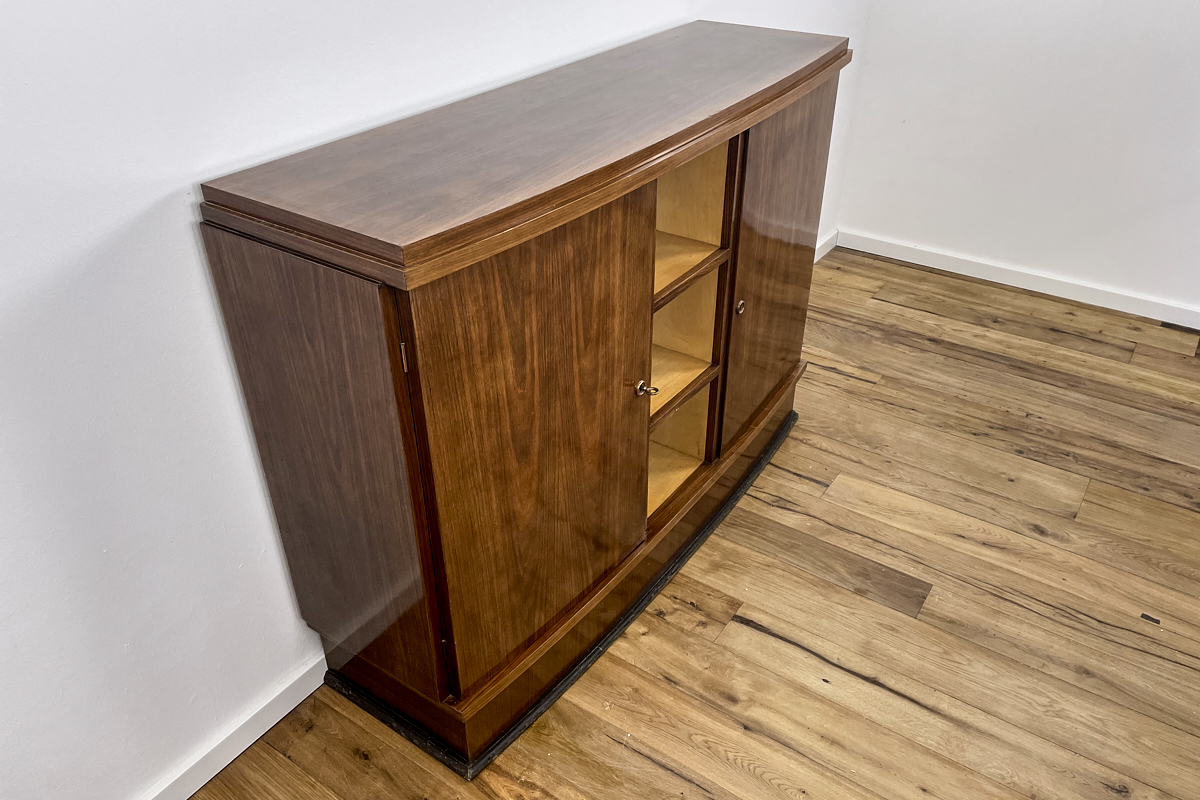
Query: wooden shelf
(675,256)
(672,372)
(668,470)
(665,410)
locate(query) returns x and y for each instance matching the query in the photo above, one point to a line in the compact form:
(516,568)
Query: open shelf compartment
(677,449)
(690,219)
(682,349)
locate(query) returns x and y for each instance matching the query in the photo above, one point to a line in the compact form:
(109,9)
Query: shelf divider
(667,408)
(672,372)
(680,263)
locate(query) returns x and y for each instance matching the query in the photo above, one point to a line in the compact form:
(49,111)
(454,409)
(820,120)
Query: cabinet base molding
(431,743)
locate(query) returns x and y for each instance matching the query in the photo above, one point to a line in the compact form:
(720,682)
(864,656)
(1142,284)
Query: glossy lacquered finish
(441,326)
(485,173)
(528,364)
(312,350)
(783,182)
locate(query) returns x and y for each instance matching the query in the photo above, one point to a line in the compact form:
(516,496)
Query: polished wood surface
(671,530)
(528,363)
(518,244)
(480,175)
(879,617)
(312,346)
(783,185)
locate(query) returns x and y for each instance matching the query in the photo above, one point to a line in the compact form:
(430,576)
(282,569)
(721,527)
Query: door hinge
(403,357)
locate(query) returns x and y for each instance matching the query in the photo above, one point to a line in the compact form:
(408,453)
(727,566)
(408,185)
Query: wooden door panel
(324,391)
(537,440)
(784,179)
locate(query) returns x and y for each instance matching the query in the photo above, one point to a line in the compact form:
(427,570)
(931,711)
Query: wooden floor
(971,572)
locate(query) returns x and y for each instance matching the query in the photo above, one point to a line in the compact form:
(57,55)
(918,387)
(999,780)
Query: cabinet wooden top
(450,186)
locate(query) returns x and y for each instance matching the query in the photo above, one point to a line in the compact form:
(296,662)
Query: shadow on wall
(138,557)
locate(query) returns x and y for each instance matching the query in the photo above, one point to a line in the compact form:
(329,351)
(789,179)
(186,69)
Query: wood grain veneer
(443,327)
(528,365)
(784,180)
(506,164)
(318,376)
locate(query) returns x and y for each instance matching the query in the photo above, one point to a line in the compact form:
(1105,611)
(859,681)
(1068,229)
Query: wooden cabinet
(784,179)
(509,360)
(527,364)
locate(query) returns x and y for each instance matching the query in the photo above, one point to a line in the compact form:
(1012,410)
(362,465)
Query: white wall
(144,606)
(1050,145)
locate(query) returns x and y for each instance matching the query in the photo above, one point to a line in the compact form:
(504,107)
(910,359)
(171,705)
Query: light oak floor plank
(1004,752)
(1128,661)
(842,742)
(694,607)
(1036,356)
(1160,553)
(1136,745)
(1052,310)
(1023,325)
(353,754)
(1091,454)
(1141,518)
(1097,583)
(1078,373)
(1150,430)
(1034,484)
(935,590)
(864,576)
(700,740)
(261,772)
(1179,364)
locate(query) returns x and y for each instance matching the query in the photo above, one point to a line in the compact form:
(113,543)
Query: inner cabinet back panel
(528,362)
(312,351)
(683,339)
(687,323)
(784,180)
(677,448)
(691,197)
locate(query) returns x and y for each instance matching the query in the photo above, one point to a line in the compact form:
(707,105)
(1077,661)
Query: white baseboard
(188,777)
(1023,278)
(826,244)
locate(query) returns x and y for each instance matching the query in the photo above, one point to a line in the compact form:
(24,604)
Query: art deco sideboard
(507,361)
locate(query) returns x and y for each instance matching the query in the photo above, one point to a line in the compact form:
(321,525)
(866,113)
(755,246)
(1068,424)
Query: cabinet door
(784,179)
(527,364)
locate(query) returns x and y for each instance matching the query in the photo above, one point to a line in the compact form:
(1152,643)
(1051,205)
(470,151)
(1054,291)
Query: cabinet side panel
(311,347)
(784,180)
(538,442)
